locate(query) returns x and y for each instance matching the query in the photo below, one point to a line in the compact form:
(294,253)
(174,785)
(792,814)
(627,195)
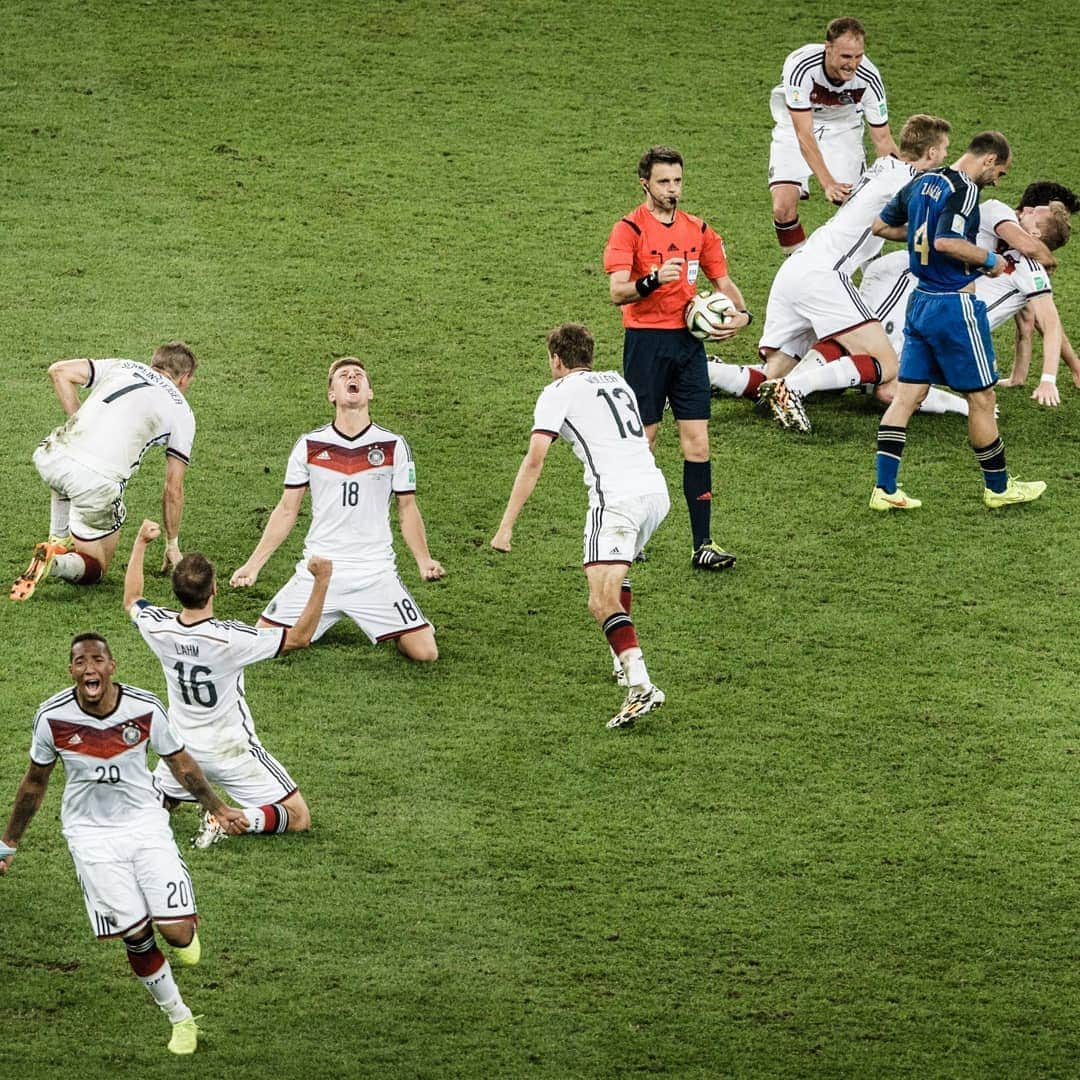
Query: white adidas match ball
(709,312)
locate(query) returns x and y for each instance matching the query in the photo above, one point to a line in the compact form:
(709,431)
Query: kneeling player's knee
(419,647)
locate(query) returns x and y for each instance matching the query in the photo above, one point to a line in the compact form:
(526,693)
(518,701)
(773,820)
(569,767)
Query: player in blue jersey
(947,334)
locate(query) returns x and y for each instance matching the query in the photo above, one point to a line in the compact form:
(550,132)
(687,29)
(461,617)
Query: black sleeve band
(647,284)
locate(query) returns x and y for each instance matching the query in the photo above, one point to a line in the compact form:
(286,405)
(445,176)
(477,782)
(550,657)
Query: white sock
(59,515)
(633,663)
(164,991)
(69,567)
(837,375)
(942,401)
(731,378)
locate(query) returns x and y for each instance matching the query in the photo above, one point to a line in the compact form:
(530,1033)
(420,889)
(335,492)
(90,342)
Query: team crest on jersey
(376,457)
(131,735)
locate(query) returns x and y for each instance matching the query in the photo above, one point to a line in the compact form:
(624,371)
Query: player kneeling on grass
(129,868)
(596,413)
(352,467)
(204,659)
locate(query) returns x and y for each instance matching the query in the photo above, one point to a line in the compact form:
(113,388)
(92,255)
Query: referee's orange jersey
(639,243)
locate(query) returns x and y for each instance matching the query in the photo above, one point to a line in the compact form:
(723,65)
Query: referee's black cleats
(712,557)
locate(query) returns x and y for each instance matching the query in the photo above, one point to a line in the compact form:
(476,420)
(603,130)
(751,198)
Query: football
(707,313)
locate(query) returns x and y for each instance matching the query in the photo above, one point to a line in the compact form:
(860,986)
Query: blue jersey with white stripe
(939,203)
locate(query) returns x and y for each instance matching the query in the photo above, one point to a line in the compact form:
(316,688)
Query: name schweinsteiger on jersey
(108,784)
(130,408)
(596,413)
(351,480)
(204,670)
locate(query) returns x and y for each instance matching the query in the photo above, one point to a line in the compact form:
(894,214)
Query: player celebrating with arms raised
(203,660)
(352,467)
(597,414)
(130,871)
(653,258)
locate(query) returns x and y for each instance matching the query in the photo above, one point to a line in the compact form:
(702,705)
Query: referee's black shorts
(667,365)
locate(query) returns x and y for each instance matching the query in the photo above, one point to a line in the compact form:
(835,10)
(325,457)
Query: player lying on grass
(203,659)
(352,467)
(89,461)
(888,284)
(597,414)
(130,871)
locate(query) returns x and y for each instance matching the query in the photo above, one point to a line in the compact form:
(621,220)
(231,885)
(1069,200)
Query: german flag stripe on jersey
(99,743)
(350,459)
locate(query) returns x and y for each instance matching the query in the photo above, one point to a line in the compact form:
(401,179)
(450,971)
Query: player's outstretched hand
(1046,393)
(243,577)
(501,540)
(318,567)
(148,531)
(233,821)
(431,570)
(171,557)
(5,862)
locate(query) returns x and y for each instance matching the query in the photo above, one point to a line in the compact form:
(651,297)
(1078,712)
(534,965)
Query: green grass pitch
(845,848)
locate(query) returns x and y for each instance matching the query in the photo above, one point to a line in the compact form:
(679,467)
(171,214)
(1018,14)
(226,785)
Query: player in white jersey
(596,413)
(814,310)
(825,94)
(352,467)
(888,283)
(114,820)
(203,659)
(88,461)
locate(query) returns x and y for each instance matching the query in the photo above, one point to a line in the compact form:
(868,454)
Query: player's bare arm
(624,290)
(172,508)
(803,122)
(415,536)
(134,576)
(300,634)
(890,232)
(966,252)
(27,801)
(532,465)
(881,137)
(1022,347)
(1048,321)
(188,773)
(278,526)
(1031,246)
(68,377)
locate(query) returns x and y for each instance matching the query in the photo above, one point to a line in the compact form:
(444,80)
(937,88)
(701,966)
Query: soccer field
(847,845)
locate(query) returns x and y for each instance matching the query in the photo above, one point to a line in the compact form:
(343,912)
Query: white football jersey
(130,408)
(805,86)
(204,670)
(993,213)
(108,784)
(351,480)
(1009,293)
(596,412)
(846,241)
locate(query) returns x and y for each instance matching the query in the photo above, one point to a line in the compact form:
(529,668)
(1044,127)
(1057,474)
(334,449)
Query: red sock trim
(867,367)
(622,637)
(755,380)
(830,348)
(789,233)
(271,820)
(92,570)
(144,964)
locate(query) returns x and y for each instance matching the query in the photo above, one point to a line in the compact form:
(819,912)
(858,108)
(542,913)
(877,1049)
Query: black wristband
(749,315)
(647,284)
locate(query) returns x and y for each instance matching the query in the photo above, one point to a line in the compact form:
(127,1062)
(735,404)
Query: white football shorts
(842,149)
(255,778)
(97,504)
(807,303)
(134,875)
(377,602)
(887,285)
(616,532)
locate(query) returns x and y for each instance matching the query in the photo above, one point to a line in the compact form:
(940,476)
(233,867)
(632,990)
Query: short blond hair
(344,361)
(1056,230)
(175,359)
